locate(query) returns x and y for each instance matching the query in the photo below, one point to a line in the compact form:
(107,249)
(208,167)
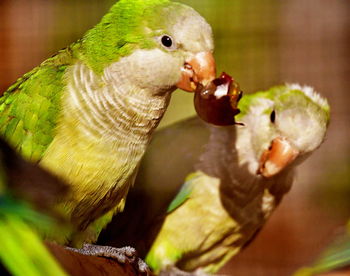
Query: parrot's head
(282,126)
(163,45)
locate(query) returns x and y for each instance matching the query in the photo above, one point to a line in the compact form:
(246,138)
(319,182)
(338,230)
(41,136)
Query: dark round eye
(273,116)
(167,41)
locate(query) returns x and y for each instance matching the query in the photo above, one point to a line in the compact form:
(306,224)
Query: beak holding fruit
(280,154)
(200,69)
(215,99)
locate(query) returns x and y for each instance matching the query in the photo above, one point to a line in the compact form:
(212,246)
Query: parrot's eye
(167,41)
(273,116)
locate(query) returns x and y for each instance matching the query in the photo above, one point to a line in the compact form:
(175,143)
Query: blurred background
(261,43)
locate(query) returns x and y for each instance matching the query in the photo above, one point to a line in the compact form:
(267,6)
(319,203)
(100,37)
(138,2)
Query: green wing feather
(29,108)
(169,252)
(183,194)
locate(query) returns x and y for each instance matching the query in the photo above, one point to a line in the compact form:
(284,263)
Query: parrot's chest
(101,134)
(99,176)
(220,229)
(92,168)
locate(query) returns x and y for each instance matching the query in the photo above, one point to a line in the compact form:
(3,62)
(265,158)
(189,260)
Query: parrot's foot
(122,255)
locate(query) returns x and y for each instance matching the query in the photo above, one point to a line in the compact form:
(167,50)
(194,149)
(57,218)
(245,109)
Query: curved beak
(279,155)
(200,69)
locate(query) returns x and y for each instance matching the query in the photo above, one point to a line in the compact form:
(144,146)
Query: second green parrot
(203,192)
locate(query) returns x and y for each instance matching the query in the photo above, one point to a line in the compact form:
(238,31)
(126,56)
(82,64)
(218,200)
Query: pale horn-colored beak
(200,69)
(280,154)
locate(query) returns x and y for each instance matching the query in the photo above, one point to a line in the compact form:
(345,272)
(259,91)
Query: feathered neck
(110,106)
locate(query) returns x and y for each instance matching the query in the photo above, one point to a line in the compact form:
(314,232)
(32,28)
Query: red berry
(217,102)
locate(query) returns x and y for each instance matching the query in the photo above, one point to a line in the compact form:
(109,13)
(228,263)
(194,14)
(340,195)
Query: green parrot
(87,114)
(203,192)
(24,212)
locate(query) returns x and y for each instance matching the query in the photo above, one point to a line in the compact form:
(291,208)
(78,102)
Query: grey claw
(122,255)
(143,267)
(129,251)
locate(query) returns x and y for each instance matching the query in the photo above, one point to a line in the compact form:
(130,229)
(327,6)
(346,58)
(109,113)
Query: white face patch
(268,203)
(155,70)
(303,129)
(255,136)
(299,119)
(193,33)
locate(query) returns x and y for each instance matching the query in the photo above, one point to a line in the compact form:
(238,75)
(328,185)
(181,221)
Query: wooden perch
(76,264)
(341,272)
